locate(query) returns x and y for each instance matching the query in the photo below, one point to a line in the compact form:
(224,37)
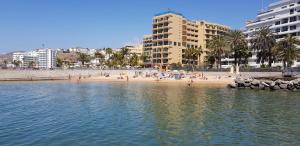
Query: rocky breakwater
(292,85)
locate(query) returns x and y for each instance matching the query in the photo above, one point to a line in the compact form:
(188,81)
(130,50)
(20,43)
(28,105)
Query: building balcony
(277,18)
(271,12)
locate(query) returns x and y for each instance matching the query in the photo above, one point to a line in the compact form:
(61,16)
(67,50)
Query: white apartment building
(19,56)
(283,18)
(25,57)
(46,58)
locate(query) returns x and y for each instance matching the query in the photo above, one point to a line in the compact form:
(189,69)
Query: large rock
(238,80)
(240,83)
(261,86)
(255,82)
(232,85)
(268,82)
(294,82)
(290,87)
(253,87)
(248,80)
(276,87)
(272,84)
(265,84)
(278,82)
(283,86)
(247,84)
(285,82)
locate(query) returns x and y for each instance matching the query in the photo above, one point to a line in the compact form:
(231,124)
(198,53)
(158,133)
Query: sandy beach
(149,76)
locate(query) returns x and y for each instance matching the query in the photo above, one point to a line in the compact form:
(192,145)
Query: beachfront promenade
(8,75)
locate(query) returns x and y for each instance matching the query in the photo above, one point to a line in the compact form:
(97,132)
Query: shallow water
(144,114)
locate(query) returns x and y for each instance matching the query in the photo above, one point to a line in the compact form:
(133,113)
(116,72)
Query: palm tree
(134,60)
(217,47)
(125,52)
(59,62)
(191,55)
(5,63)
(109,51)
(287,51)
(17,63)
(198,53)
(100,57)
(116,59)
(31,64)
(263,42)
(83,58)
(238,45)
(143,58)
(210,59)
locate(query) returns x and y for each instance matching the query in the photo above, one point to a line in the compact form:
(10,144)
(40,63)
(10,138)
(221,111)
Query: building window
(292,11)
(293,27)
(175,43)
(277,30)
(285,28)
(286,20)
(293,19)
(277,23)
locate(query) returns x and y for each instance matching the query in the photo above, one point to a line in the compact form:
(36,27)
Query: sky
(28,24)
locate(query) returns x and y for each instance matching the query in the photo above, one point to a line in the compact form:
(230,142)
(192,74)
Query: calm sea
(144,114)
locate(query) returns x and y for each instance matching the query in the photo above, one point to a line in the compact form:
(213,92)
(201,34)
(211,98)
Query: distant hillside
(8,57)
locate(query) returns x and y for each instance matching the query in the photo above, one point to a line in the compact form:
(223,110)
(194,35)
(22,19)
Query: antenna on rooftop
(43,45)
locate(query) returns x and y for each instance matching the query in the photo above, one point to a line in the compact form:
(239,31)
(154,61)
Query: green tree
(17,63)
(287,51)
(238,45)
(124,52)
(100,57)
(31,64)
(263,42)
(191,56)
(5,63)
(84,58)
(217,47)
(116,59)
(198,53)
(143,58)
(210,59)
(134,59)
(59,62)
(109,51)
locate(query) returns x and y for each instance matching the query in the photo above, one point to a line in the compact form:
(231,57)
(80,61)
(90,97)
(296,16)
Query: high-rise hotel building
(172,34)
(283,17)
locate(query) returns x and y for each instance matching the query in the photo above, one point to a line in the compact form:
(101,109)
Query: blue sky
(27,24)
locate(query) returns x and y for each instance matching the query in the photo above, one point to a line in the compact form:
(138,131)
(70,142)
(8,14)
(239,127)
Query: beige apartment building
(135,49)
(172,33)
(147,49)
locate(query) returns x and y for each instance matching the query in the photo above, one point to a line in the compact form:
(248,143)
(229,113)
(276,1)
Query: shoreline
(145,76)
(224,82)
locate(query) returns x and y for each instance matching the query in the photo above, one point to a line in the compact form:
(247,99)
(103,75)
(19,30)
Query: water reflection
(145,114)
